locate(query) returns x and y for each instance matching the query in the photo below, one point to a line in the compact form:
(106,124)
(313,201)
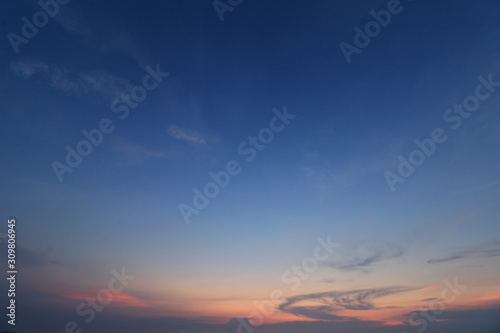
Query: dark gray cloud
(43,316)
(436,261)
(334,301)
(27,258)
(478,321)
(485,320)
(432,299)
(235,323)
(31,258)
(488,250)
(364,255)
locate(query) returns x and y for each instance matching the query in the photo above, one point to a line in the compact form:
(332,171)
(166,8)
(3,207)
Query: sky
(251,166)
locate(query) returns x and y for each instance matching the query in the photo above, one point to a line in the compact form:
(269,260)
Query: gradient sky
(322,176)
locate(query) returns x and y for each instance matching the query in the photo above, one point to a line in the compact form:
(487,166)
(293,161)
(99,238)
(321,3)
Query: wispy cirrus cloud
(101,33)
(488,250)
(64,79)
(363,256)
(26,69)
(335,301)
(185,134)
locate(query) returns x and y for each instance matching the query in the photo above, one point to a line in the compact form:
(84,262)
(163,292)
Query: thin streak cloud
(64,79)
(488,250)
(184,134)
(363,256)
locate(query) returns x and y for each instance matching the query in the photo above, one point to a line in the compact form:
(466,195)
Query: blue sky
(322,175)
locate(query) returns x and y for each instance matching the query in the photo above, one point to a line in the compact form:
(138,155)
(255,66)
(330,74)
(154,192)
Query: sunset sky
(249,174)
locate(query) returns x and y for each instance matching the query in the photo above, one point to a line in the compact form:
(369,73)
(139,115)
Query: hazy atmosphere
(238,166)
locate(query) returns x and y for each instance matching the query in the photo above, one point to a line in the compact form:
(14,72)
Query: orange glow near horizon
(389,311)
(118,299)
(428,287)
(495,297)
